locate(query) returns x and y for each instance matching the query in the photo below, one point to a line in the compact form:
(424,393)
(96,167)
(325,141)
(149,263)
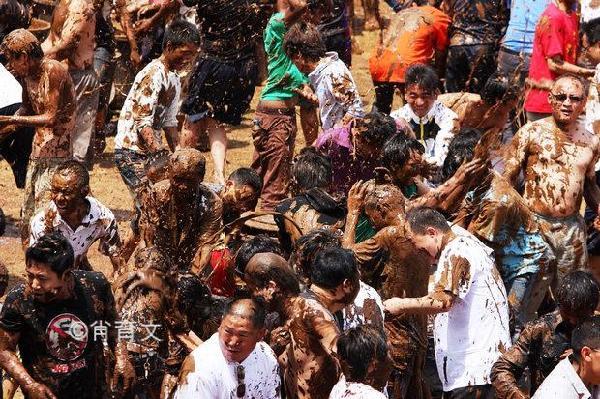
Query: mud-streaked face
(567,99)
(238,337)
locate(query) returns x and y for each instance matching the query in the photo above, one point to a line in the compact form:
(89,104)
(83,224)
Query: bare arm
(516,156)
(80,14)
(309,122)
(591,191)
(356,197)
(431,304)
(294,12)
(559,66)
(126,17)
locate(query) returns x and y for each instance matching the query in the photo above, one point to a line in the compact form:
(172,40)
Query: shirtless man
(311,370)
(181,216)
(49,106)
(558,155)
(72,40)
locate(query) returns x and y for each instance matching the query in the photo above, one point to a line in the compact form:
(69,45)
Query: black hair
(309,245)
(461,149)
(376,127)
(422,75)
(358,347)
(592,31)
(587,334)
(21,41)
(304,39)
(421,218)
(194,299)
(578,293)
(180,33)
(498,88)
(151,257)
(332,266)
(310,169)
(584,83)
(246,177)
(396,151)
(258,315)
(54,250)
(284,277)
(78,169)
(255,245)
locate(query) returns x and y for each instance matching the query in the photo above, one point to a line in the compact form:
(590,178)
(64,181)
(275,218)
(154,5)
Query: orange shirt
(412,38)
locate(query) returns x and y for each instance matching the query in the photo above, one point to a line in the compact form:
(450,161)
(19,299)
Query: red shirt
(555,34)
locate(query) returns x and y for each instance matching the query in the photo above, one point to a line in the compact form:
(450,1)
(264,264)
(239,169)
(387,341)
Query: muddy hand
(356,196)
(39,391)
(306,93)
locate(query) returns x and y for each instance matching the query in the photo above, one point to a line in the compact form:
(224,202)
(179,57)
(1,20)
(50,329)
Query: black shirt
(336,21)
(228,28)
(57,342)
(481,21)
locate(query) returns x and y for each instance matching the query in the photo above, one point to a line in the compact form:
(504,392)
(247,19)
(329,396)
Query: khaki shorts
(37,189)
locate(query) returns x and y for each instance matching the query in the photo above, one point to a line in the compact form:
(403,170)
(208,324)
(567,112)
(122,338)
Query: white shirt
(469,337)
(151,102)
(335,88)
(589,10)
(11,92)
(564,383)
(98,224)
(592,106)
(354,390)
(216,378)
(366,301)
(436,148)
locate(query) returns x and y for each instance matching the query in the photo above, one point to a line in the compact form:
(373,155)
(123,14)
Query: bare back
(555,165)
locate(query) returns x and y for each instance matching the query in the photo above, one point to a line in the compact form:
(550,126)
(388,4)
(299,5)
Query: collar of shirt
(90,218)
(565,368)
(330,56)
(431,115)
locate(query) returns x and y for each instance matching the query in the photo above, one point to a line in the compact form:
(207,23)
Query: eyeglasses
(240,373)
(563,97)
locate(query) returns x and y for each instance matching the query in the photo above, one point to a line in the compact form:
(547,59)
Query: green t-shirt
(283,74)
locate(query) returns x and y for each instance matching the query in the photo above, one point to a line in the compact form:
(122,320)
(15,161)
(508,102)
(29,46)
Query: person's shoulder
(100,210)
(16,294)
(209,349)
(55,69)
(265,354)
(443,112)
(276,21)
(91,279)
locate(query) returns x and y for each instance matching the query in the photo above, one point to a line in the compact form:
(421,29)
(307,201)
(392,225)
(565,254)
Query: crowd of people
(447,248)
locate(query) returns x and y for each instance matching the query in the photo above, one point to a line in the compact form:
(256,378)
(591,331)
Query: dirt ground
(107,186)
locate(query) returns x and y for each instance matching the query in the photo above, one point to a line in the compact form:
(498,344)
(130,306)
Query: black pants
(472,392)
(16,147)
(468,67)
(384,96)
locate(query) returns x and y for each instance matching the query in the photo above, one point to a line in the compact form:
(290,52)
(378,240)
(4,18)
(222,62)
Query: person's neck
(327,299)
(36,70)
(449,236)
(566,128)
(286,306)
(582,375)
(166,63)
(75,217)
(563,5)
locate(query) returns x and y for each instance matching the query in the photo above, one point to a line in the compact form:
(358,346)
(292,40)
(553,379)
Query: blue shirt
(524,15)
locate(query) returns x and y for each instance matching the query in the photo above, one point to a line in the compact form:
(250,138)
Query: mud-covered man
(49,106)
(60,321)
(81,218)
(72,40)
(557,156)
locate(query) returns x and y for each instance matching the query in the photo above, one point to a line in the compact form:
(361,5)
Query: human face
(240,199)
(182,56)
(65,192)
(593,53)
(19,65)
(429,244)
(43,283)
(238,337)
(567,100)
(590,365)
(302,64)
(419,100)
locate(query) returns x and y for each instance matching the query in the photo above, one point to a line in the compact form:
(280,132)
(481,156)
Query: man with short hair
(233,363)
(432,122)
(577,375)
(51,111)
(543,342)
(72,40)
(239,194)
(81,218)
(558,155)
(468,300)
(60,320)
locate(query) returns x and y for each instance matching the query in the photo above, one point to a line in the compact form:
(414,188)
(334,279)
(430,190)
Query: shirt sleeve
(454,275)
(145,98)
(198,386)
(11,316)
(110,243)
(343,89)
(552,36)
(447,123)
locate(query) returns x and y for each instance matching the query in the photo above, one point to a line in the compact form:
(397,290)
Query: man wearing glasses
(234,362)
(557,155)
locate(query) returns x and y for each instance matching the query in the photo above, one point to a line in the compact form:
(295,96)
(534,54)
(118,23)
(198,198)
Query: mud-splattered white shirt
(366,309)
(337,93)
(354,390)
(151,102)
(98,224)
(470,336)
(216,378)
(592,106)
(435,130)
(564,383)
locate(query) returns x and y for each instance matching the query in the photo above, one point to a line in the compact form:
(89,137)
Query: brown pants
(274,134)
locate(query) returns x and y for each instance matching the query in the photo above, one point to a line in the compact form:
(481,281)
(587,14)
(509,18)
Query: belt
(275,111)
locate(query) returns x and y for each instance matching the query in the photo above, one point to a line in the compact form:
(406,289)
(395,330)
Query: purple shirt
(348,168)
